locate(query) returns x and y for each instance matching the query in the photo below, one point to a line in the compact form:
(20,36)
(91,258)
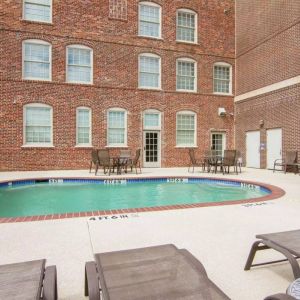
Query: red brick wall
(115,47)
(267,49)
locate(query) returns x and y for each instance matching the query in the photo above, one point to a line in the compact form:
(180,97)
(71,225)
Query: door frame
(158,163)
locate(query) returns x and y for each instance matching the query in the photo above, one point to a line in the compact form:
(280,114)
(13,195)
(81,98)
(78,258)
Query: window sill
(37,79)
(83,146)
(186,146)
(187,91)
(116,146)
(37,22)
(149,89)
(150,37)
(38,146)
(223,94)
(187,42)
(79,83)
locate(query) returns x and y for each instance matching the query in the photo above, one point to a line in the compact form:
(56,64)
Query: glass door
(151,149)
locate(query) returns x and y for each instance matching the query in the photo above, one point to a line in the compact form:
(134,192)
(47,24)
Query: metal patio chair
(288,161)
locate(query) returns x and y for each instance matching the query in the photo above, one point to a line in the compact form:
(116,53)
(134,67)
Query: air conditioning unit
(221,112)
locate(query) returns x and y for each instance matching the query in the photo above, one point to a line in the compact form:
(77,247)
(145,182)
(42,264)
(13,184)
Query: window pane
(79,74)
(149,72)
(151,120)
(38,10)
(185,75)
(116,136)
(185,129)
(38,125)
(222,79)
(149,22)
(217,143)
(186,26)
(116,127)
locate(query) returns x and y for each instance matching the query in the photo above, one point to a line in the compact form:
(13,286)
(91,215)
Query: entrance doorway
(274,146)
(253,149)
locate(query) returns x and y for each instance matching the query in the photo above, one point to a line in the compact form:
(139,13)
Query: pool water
(45,198)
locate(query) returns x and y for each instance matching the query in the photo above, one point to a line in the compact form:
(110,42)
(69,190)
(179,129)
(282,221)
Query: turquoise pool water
(44,198)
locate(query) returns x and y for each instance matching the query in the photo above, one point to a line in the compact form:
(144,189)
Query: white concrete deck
(220,237)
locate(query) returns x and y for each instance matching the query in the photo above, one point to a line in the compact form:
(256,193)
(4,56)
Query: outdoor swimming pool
(57,196)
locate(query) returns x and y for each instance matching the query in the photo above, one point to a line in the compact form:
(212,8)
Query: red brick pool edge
(276,193)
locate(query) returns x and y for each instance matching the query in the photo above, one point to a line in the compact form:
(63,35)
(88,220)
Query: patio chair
(194,162)
(288,161)
(238,161)
(287,243)
(105,161)
(229,160)
(292,292)
(28,280)
(157,272)
(135,162)
(125,159)
(94,160)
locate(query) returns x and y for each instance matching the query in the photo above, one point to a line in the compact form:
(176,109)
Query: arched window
(36,60)
(79,64)
(186,129)
(222,78)
(186,26)
(149,19)
(117,127)
(186,75)
(149,71)
(38,127)
(83,126)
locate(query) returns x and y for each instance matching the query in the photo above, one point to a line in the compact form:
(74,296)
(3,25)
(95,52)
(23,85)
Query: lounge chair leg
(50,284)
(250,259)
(91,287)
(91,164)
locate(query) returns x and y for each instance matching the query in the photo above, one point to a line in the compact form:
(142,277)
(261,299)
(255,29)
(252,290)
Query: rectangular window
(36,61)
(149,72)
(222,79)
(186,26)
(186,75)
(79,65)
(83,126)
(149,20)
(185,128)
(116,128)
(218,143)
(37,10)
(38,125)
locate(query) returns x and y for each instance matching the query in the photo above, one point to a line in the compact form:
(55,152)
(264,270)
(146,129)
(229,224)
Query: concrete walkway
(220,237)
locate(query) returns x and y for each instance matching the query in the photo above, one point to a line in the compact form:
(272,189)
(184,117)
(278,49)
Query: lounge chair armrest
(50,284)
(92,288)
(279,160)
(280,297)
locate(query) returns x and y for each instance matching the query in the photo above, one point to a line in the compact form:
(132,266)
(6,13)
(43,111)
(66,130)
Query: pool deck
(219,236)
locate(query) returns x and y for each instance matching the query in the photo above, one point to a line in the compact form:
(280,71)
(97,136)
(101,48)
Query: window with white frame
(149,19)
(152,120)
(79,64)
(218,142)
(36,60)
(117,127)
(37,125)
(186,71)
(38,10)
(186,129)
(222,78)
(83,126)
(149,71)
(186,30)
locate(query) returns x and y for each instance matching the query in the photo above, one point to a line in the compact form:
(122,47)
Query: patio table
(119,162)
(160,272)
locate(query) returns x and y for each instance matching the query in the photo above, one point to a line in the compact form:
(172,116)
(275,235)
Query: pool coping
(276,193)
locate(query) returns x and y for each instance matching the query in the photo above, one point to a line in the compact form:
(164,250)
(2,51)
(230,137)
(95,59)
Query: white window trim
(83,145)
(184,59)
(223,133)
(159,77)
(92,63)
(187,112)
(125,125)
(38,21)
(152,111)
(196,25)
(160,13)
(40,145)
(38,42)
(223,64)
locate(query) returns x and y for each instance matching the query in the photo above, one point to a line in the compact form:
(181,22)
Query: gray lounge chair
(287,243)
(292,292)
(29,280)
(159,272)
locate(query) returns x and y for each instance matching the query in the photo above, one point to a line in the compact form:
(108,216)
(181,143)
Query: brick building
(267,94)
(114,73)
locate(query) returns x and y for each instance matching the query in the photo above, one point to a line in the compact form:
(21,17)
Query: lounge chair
(229,160)
(94,160)
(28,280)
(159,272)
(105,161)
(287,243)
(135,162)
(289,161)
(194,162)
(292,292)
